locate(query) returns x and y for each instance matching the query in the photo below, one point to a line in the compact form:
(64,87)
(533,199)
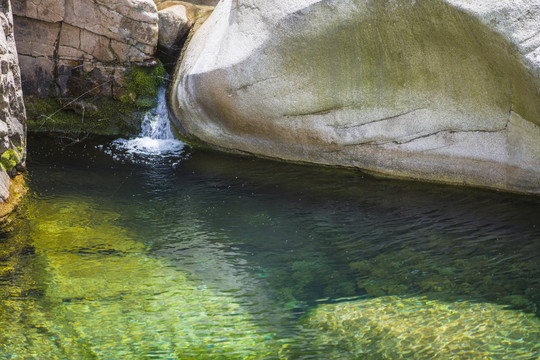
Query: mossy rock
(99,114)
(9,159)
(104,117)
(143,85)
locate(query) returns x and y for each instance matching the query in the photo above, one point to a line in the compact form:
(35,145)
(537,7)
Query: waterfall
(156,123)
(156,136)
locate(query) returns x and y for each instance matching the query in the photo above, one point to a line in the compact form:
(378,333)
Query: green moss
(9,159)
(143,85)
(103,116)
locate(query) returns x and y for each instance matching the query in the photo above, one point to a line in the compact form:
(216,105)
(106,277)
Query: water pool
(201,255)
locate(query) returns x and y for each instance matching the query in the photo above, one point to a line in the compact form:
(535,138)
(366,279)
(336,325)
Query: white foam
(156,137)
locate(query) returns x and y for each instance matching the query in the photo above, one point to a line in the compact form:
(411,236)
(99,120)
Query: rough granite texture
(69,47)
(438,90)
(12,111)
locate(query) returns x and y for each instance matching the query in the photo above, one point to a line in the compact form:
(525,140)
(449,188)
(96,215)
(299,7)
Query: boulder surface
(12,111)
(439,90)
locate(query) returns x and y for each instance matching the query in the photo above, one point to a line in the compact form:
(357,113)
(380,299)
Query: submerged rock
(445,90)
(418,328)
(108,298)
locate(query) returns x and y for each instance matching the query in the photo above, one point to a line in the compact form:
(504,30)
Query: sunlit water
(198,255)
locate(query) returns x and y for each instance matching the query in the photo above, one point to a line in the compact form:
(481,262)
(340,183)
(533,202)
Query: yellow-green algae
(105,298)
(391,327)
(9,159)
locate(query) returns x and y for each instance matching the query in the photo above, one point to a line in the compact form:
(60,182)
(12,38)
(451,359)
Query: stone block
(96,46)
(37,74)
(128,53)
(39,36)
(173,25)
(128,21)
(70,36)
(68,53)
(46,10)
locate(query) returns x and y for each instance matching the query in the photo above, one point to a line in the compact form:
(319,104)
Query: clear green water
(209,256)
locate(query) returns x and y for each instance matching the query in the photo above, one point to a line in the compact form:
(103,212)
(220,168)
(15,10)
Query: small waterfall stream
(156,136)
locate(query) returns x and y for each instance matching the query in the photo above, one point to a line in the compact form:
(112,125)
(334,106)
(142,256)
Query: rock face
(12,111)
(439,90)
(83,49)
(58,40)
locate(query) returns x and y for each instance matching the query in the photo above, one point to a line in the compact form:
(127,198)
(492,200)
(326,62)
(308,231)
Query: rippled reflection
(212,256)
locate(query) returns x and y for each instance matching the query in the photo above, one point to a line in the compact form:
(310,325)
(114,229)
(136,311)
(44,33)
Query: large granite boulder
(439,90)
(77,51)
(12,111)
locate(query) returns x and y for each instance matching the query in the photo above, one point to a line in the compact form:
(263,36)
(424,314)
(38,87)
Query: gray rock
(4,186)
(12,111)
(173,26)
(443,90)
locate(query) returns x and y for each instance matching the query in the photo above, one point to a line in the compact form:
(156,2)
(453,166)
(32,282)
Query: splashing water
(156,137)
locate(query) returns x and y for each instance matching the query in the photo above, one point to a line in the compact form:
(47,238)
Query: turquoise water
(209,256)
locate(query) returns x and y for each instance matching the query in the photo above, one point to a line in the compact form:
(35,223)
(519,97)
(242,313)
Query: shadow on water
(205,255)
